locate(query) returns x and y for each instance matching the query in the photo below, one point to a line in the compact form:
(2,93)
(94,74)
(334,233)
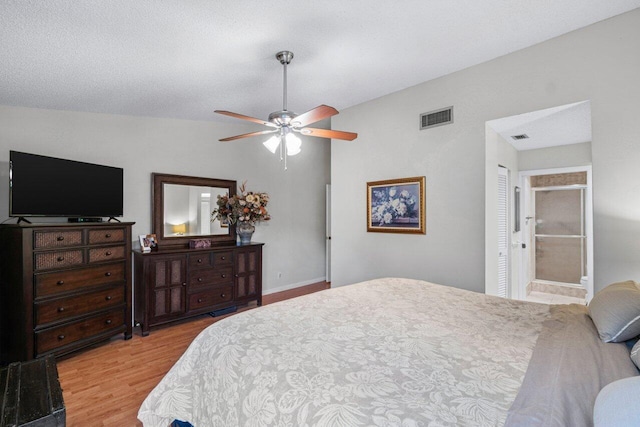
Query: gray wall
(599,63)
(294,237)
(555,157)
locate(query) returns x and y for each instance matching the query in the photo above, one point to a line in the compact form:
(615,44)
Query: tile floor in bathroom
(548,298)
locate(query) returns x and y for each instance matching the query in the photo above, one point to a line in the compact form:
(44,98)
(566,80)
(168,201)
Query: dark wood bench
(30,395)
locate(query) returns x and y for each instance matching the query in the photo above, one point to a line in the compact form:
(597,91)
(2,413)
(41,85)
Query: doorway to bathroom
(557,235)
(533,148)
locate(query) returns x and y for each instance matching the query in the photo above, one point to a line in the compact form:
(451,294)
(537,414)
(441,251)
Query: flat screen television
(48,186)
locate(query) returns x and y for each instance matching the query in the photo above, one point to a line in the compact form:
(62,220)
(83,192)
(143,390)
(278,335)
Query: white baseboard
(293,286)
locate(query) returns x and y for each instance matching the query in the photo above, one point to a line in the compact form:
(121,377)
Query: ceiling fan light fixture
(272,143)
(293,144)
(284,122)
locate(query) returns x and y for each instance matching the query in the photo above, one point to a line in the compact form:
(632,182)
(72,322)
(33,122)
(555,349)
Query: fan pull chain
(283,148)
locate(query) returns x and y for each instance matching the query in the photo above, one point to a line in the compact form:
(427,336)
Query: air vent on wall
(519,137)
(440,117)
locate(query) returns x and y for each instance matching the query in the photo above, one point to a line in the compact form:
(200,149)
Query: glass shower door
(560,238)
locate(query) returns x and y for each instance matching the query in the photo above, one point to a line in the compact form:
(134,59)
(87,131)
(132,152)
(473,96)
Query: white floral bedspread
(388,352)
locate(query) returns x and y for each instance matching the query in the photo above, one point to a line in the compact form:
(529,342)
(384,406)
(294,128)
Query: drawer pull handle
(108,321)
(224,276)
(108,274)
(108,253)
(60,282)
(108,297)
(60,309)
(199,299)
(60,337)
(60,258)
(199,279)
(107,236)
(199,261)
(60,238)
(222,295)
(223,258)
(184,283)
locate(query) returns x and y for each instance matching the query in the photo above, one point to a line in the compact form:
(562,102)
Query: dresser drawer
(53,338)
(58,259)
(65,308)
(57,239)
(115,235)
(210,297)
(201,260)
(213,276)
(106,254)
(64,281)
(210,259)
(222,258)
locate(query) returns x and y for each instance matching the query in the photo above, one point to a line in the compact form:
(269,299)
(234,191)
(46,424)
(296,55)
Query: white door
(328,234)
(503,232)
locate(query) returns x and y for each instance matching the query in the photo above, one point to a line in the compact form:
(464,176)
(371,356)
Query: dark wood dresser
(177,283)
(63,287)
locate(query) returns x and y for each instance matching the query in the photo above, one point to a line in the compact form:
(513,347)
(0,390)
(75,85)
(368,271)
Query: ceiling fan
(284,124)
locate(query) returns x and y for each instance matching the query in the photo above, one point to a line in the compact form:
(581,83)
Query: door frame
(327,237)
(526,273)
(506,250)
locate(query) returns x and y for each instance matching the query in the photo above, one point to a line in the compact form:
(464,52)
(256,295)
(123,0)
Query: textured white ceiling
(186,58)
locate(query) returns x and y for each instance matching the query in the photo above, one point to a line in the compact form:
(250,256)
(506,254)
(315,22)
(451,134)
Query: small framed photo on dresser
(148,242)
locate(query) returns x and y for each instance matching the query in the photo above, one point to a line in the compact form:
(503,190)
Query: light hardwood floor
(105,385)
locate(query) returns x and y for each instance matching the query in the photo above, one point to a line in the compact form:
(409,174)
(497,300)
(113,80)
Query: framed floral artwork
(396,206)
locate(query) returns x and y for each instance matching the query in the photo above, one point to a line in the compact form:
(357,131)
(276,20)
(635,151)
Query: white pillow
(617,404)
(615,311)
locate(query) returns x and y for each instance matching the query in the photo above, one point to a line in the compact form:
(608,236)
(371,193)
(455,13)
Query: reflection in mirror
(187,210)
(182,208)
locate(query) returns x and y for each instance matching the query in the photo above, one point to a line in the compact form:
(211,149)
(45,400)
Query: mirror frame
(157,194)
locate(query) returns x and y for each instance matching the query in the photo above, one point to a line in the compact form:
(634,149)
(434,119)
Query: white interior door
(503,232)
(328,234)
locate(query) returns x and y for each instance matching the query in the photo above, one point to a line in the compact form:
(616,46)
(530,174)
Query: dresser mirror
(182,208)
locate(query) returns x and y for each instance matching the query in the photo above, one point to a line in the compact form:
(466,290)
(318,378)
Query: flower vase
(245,231)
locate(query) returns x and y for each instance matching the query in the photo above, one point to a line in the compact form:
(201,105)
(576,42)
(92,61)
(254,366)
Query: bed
(392,352)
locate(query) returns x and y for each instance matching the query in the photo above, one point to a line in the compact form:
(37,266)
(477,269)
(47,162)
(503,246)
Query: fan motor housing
(282,117)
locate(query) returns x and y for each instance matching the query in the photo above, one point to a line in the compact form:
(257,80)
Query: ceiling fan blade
(314,115)
(247,135)
(328,133)
(243,117)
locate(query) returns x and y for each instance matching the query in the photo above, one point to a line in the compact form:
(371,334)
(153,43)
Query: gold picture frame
(397,206)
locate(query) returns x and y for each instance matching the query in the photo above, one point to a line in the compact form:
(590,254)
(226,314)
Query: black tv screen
(47,186)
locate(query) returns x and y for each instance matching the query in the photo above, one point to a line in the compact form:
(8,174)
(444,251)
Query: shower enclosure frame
(527,234)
